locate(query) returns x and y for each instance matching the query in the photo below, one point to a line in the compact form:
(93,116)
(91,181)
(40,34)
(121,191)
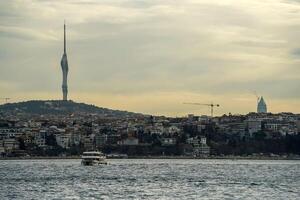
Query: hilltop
(44,107)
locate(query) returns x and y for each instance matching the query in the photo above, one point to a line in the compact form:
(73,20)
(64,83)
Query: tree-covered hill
(59,107)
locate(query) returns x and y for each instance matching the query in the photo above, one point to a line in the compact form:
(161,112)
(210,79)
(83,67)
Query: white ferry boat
(93,158)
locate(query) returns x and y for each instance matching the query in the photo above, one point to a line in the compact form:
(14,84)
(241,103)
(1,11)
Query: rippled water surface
(150,179)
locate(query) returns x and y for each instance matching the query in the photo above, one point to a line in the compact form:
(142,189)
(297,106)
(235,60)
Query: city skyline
(150,57)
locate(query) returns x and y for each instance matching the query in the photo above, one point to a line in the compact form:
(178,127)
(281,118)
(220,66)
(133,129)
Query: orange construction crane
(206,104)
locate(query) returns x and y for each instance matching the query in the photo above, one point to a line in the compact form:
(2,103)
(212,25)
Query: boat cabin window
(91,154)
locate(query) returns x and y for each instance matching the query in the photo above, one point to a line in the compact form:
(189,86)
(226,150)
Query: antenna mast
(65,37)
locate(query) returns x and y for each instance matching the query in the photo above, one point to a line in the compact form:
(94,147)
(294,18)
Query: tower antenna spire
(65,36)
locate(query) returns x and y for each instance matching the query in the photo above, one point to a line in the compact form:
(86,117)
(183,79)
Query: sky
(150,56)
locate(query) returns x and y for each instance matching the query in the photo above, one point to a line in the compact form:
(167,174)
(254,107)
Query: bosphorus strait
(150,179)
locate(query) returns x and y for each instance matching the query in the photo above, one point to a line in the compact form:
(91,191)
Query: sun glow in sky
(150,56)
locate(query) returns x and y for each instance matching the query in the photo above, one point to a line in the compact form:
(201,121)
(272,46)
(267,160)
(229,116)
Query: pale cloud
(27,34)
(149,56)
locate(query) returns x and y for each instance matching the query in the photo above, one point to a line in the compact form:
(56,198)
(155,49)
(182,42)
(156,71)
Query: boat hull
(93,162)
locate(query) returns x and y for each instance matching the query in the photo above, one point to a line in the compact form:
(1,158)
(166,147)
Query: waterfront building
(88,142)
(129,141)
(2,150)
(203,140)
(28,139)
(10,132)
(10,144)
(200,147)
(168,141)
(254,125)
(75,139)
(40,138)
(100,140)
(63,140)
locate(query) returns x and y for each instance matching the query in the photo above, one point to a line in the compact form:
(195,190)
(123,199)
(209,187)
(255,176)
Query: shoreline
(161,157)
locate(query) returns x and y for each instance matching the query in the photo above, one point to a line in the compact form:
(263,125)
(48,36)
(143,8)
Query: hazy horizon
(151,56)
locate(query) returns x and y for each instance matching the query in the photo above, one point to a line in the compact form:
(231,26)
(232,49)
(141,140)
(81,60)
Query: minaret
(65,69)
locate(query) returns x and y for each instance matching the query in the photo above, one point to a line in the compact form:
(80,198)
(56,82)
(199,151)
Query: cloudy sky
(150,56)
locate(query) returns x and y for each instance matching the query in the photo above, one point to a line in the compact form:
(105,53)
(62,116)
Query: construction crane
(211,105)
(6,99)
(257,97)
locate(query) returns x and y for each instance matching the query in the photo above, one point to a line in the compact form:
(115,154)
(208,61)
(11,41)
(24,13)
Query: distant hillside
(59,107)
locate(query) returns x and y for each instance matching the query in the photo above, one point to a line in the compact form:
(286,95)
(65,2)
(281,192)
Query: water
(150,179)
